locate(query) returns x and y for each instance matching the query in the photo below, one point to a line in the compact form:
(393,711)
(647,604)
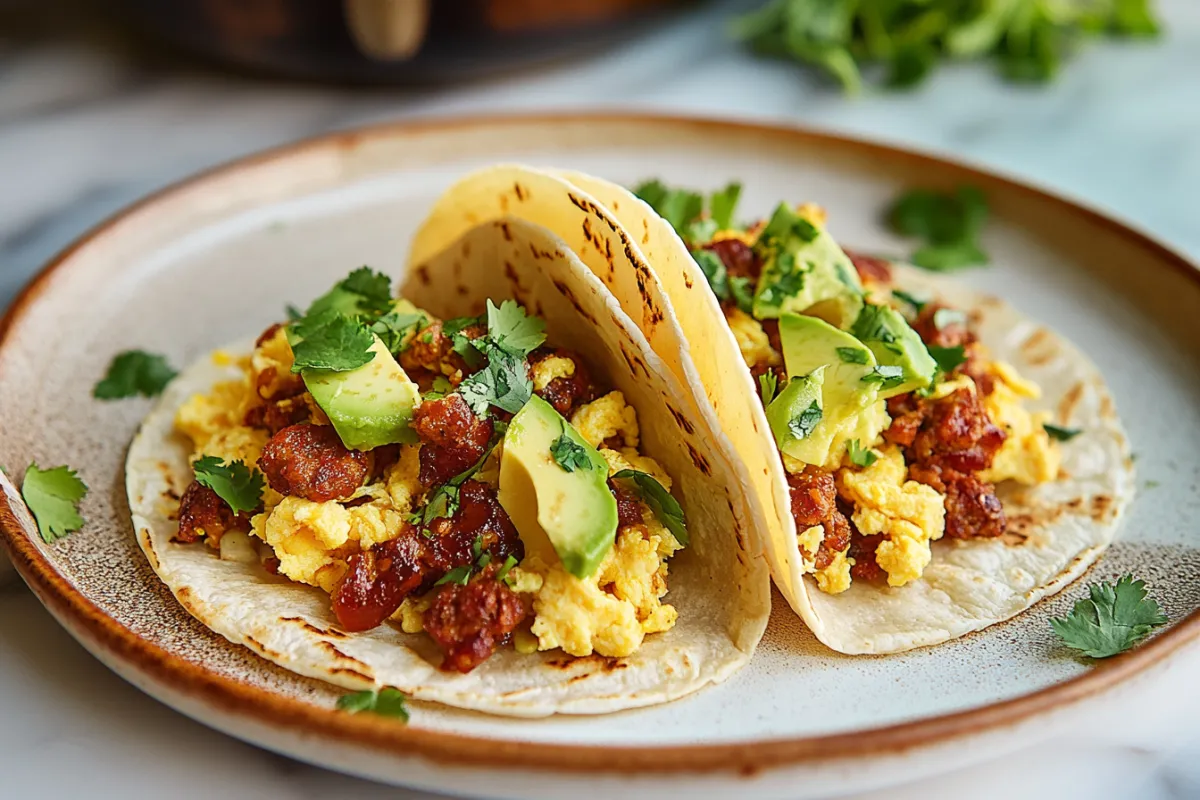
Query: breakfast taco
(931,461)
(486,493)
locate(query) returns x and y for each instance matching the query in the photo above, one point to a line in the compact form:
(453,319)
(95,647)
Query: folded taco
(485,493)
(931,462)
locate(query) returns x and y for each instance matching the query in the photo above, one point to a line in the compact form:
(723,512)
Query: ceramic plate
(217,257)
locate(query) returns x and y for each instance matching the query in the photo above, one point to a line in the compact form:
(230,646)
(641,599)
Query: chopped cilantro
(444,500)
(239,486)
(741,289)
(512,330)
(460,575)
(861,456)
(664,506)
(948,358)
(134,372)
(902,41)
(569,454)
(786,223)
(888,376)
(723,203)
(503,383)
(361,293)
(1061,434)
(768,387)
(332,342)
(945,317)
(684,209)
(852,355)
(806,421)
(440,388)
(1111,620)
(505,568)
(459,341)
(386,702)
(917,305)
(394,328)
(53,495)
(949,224)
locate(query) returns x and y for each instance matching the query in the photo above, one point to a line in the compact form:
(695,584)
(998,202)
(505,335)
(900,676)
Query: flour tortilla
(1057,530)
(719,584)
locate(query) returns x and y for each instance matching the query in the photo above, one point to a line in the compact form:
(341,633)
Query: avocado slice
(369,406)
(896,346)
(804,271)
(554,486)
(831,361)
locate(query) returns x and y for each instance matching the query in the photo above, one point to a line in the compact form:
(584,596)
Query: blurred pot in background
(388,41)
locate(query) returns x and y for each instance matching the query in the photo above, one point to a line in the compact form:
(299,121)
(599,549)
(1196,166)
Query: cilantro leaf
(505,568)
(361,293)
(723,203)
(768,387)
(676,206)
(741,289)
(1061,434)
(661,502)
(134,372)
(1111,620)
(852,355)
(440,388)
(917,305)
(806,421)
(861,456)
(386,702)
(460,575)
(949,223)
(503,383)
(512,330)
(241,487)
(53,495)
(394,328)
(948,358)
(888,376)
(461,343)
(569,454)
(332,342)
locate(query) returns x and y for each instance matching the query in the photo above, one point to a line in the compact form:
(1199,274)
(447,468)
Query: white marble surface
(90,121)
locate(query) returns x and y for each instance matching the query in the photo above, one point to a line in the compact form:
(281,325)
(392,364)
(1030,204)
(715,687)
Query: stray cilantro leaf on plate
(1061,434)
(861,456)
(241,487)
(806,421)
(949,224)
(134,372)
(569,454)
(53,496)
(768,387)
(512,330)
(664,506)
(1112,619)
(386,702)
(332,342)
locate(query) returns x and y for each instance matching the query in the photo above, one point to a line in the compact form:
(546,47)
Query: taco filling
(893,423)
(455,477)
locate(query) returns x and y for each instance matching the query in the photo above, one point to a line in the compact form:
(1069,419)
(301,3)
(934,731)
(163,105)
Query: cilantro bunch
(902,41)
(511,336)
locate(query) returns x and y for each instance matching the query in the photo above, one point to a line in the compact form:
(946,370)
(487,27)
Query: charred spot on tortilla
(1066,406)
(262,648)
(681,420)
(699,460)
(520,191)
(422,273)
(505,231)
(510,273)
(333,650)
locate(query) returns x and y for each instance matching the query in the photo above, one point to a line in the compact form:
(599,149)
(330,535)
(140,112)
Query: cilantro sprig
(240,486)
(53,495)
(661,502)
(1111,620)
(948,223)
(569,454)
(504,383)
(386,702)
(904,40)
(134,372)
(861,456)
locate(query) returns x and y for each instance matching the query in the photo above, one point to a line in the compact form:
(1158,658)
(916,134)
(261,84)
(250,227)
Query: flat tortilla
(292,625)
(1058,529)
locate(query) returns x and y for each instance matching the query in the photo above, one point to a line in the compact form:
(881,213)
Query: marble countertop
(91,121)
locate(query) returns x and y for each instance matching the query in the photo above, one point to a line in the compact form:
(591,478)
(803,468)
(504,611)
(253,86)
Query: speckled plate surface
(218,257)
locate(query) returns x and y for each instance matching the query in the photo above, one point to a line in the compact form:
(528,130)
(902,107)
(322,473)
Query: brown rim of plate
(235,698)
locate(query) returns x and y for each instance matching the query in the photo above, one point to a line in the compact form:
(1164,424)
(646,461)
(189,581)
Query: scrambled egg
(835,578)
(271,364)
(909,514)
(1028,455)
(606,417)
(548,369)
(752,339)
